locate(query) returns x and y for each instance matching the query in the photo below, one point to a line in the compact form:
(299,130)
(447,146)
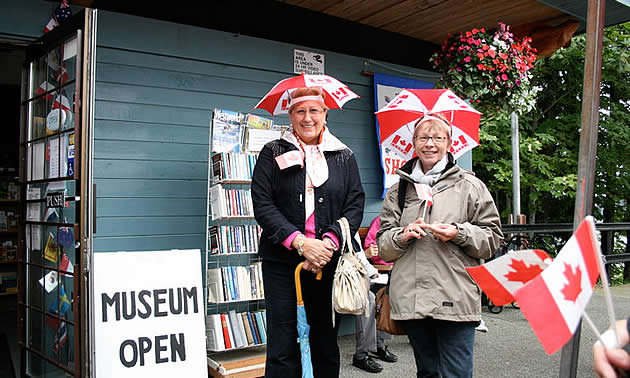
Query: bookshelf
(9,219)
(235,301)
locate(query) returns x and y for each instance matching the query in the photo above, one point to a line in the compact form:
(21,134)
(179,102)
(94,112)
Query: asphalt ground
(509,349)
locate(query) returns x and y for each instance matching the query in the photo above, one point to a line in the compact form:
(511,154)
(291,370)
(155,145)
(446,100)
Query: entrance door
(51,309)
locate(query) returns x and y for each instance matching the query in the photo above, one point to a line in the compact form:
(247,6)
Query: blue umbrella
(302,326)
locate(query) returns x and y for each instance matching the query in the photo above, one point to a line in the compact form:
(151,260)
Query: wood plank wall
(156,86)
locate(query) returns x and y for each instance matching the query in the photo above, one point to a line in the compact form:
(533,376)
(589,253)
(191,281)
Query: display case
(235,298)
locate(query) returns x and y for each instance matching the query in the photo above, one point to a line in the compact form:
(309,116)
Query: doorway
(12,55)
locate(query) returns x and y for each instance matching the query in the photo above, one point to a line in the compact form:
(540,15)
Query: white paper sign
(35,158)
(257,138)
(308,62)
(149,314)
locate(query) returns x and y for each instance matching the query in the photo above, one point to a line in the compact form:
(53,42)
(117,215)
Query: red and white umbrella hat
(397,117)
(278,98)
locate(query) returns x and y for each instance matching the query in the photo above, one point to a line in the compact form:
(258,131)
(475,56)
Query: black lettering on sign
(55,200)
(127,305)
(131,351)
(158,301)
(134,351)
(147,307)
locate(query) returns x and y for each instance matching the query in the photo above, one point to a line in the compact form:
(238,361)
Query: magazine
(257,122)
(226,131)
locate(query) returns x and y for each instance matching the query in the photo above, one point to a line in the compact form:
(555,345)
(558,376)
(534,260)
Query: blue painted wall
(157,84)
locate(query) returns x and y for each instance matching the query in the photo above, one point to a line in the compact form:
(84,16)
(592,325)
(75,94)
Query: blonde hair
(441,123)
(308,91)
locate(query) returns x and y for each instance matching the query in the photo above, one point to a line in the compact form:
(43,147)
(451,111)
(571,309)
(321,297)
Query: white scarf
(432,175)
(316,166)
(315,161)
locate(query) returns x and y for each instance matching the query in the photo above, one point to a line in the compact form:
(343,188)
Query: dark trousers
(283,351)
(442,348)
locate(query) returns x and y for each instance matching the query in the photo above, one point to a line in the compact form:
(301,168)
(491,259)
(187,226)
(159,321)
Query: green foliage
(549,137)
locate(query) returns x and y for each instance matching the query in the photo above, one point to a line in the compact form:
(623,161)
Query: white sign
(308,62)
(149,314)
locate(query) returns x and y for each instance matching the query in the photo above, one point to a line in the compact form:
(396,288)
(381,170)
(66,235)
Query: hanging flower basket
(489,67)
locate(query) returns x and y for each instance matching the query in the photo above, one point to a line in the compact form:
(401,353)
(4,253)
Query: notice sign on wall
(308,62)
(149,314)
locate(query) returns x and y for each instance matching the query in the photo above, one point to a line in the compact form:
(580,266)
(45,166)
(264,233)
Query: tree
(550,137)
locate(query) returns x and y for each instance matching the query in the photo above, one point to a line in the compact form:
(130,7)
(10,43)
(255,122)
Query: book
(248,330)
(239,340)
(226,131)
(230,330)
(214,333)
(252,325)
(215,285)
(230,280)
(257,122)
(218,205)
(226,334)
(261,328)
(241,327)
(226,290)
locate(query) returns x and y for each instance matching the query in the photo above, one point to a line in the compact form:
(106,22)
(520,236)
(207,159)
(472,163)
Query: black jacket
(278,197)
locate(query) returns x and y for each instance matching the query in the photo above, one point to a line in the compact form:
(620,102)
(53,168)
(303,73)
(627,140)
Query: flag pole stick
(424,212)
(594,328)
(604,278)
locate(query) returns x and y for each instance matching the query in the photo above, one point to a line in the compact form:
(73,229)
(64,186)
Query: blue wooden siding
(156,86)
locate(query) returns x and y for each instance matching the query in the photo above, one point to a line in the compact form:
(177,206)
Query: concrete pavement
(509,349)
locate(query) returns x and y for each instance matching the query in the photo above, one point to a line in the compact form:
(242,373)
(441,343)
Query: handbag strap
(345,234)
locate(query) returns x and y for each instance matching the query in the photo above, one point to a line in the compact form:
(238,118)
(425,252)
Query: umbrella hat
(277,100)
(396,120)
(412,104)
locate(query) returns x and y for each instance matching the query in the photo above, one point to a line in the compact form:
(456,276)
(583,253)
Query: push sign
(55,200)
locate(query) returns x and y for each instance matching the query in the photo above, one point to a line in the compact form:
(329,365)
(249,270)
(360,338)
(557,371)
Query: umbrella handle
(298,284)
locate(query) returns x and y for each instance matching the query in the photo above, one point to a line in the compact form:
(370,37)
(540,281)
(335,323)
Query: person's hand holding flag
(609,358)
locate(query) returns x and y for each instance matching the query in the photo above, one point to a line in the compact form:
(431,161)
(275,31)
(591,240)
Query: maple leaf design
(522,272)
(572,289)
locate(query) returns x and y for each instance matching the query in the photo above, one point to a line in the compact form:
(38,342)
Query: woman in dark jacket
(301,185)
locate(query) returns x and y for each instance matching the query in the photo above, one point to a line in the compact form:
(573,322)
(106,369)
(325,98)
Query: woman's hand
(371,251)
(444,232)
(414,230)
(310,267)
(605,360)
(317,252)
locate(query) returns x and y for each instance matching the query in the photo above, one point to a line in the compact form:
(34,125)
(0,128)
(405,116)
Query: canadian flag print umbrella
(396,120)
(277,100)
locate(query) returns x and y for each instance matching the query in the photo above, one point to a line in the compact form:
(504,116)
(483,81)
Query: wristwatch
(300,243)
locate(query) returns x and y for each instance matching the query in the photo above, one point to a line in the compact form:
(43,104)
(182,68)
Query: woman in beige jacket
(430,289)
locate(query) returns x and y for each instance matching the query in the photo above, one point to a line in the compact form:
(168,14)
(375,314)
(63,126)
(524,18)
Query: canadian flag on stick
(553,302)
(501,277)
(424,193)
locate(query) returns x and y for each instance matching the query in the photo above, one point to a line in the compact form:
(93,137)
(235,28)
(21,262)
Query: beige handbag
(351,283)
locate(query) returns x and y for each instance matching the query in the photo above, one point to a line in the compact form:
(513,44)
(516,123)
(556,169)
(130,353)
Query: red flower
(467,59)
(504,77)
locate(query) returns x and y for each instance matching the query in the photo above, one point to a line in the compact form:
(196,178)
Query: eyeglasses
(311,112)
(436,139)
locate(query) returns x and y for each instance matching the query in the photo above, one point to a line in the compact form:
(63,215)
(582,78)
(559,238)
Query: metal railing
(550,228)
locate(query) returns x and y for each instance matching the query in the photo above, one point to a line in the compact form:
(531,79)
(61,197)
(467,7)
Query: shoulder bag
(351,283)
(384,322)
